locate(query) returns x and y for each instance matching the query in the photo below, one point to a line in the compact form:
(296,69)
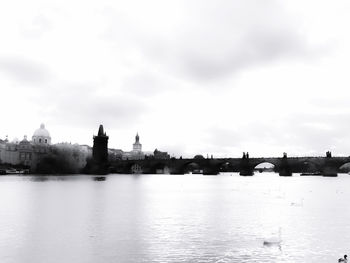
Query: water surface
(174,218)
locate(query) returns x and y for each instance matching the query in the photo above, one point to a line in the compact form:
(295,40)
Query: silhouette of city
(40,156)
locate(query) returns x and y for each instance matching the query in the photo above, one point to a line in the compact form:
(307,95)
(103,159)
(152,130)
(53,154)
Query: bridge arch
(311,167)
(161,168)
(265,167)
(225,166)
(192,167)
(345,167)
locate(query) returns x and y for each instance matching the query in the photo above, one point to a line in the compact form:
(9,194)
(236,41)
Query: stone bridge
(285,166)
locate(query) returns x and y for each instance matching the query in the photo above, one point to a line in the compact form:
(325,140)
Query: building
(115,155)
(33,153)
(24,152)
(136,153)
(41,136)
(137,146)
(100,147)
(9,153)
(160,155)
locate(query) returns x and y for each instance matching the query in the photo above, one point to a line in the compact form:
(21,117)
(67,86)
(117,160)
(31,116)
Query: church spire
(100,131)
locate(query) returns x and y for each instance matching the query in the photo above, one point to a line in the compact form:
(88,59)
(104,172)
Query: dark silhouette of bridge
(285,166)
(326,166)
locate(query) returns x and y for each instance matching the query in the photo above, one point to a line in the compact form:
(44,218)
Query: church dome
(41,131)
(42,135)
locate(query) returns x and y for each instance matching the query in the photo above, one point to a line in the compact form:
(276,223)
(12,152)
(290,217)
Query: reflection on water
(174,218)
(39,178)
(99,178)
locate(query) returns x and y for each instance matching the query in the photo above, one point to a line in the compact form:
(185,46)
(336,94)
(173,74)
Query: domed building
(25,152)
(41,136)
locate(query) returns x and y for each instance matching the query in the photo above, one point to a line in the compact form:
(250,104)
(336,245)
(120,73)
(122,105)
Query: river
(174,218)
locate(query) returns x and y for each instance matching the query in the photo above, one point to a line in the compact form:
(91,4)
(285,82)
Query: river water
(174,218)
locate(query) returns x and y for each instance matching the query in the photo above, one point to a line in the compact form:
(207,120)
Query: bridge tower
(98,164)
(100,148)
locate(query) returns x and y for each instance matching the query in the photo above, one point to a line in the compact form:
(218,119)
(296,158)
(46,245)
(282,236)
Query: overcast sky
(192,77)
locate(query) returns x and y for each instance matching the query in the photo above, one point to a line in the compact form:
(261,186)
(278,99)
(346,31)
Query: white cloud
(191,77)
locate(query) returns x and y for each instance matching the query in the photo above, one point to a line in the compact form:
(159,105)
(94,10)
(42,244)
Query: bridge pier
(245,168)
(329,169)
(329,172)
(285,172)
(284,169)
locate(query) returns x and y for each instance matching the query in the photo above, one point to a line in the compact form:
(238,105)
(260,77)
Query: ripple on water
(153,218)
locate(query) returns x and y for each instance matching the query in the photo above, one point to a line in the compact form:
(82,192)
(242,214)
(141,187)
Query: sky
(191,77)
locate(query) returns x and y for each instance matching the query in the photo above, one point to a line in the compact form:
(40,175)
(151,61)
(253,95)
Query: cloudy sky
(210,77)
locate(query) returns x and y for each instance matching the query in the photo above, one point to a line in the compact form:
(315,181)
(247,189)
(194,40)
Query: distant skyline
(192,77)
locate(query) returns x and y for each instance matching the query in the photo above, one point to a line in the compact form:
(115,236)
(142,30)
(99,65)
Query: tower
(137,146)
(100,148)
